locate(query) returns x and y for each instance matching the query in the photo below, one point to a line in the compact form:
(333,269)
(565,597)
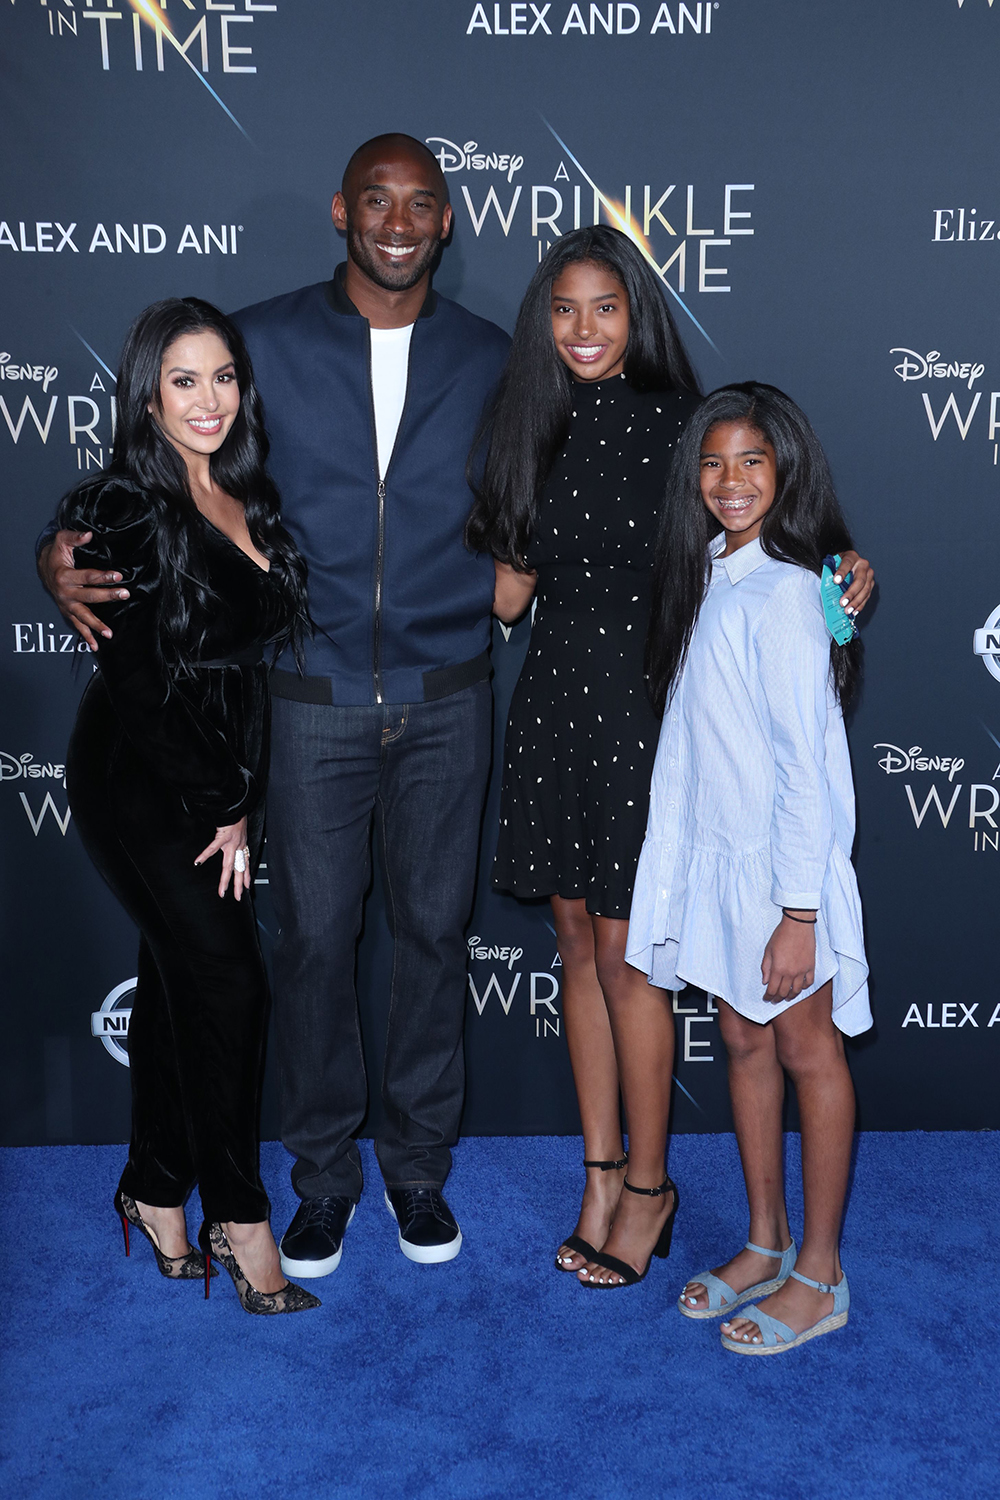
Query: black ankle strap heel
(666,1186)
(575,1242)
(629,1275)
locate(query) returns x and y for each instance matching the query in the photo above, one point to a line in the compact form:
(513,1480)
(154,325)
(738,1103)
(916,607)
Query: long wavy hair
(803,525)
(144,457)
(527,422)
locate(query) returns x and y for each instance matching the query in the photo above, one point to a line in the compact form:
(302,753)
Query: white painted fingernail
(838,578)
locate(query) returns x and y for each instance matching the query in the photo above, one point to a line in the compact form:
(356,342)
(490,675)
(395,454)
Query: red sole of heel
(125,1232)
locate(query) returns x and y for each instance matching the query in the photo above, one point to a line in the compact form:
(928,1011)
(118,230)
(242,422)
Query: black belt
(438,684)
(250,656)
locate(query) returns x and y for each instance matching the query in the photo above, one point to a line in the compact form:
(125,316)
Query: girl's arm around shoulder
(858,592)
(513,593)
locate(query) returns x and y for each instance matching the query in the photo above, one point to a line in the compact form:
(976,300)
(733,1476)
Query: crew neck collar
(608,383)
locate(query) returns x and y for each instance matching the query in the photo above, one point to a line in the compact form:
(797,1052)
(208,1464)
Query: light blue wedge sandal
(772,1330)
(718,1289)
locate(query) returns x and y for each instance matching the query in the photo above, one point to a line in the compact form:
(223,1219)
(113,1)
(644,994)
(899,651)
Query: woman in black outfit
(166,773)
(578,443)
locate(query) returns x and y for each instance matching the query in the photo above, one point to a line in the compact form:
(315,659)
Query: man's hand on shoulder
(75,588)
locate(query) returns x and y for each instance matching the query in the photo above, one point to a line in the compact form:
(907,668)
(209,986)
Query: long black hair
(804,523)
(528,420)
(145,459)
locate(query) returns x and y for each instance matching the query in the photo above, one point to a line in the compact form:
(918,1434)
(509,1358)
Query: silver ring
(240,861)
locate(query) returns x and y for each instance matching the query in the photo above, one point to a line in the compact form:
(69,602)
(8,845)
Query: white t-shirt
(390,357)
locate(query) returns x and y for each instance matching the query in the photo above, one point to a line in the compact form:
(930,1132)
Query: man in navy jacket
(373,387)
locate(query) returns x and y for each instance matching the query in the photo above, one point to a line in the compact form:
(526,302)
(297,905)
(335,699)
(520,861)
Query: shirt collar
(337,297)
(741,563)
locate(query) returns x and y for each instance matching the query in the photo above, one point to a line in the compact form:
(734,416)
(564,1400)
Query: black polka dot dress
(581,736)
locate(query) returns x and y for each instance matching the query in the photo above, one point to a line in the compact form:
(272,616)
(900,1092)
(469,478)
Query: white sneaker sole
(426,1255)
(309,1269)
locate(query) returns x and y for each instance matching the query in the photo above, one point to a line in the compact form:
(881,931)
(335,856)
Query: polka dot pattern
(581,735)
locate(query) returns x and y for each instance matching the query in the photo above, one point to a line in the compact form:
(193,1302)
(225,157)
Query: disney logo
(14,767)
(469,158)
(929,366)
(895,760)
(505,955)
(41,374)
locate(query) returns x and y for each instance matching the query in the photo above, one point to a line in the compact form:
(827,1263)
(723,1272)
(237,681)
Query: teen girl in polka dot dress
(596,393)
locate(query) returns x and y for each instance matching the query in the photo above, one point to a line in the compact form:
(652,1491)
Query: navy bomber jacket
(402,608)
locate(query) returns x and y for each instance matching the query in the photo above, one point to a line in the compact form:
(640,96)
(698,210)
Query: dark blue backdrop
(816,183)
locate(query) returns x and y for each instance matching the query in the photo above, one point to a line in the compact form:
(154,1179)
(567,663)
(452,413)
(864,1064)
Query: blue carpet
(495,1376)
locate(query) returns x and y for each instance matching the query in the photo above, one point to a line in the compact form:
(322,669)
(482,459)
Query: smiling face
(199,396)
(590,320)
(738,480)
(395,213)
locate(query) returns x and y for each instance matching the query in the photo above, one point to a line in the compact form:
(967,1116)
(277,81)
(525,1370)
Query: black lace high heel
(575,1242)
(189,1267)
(291,1298)
(661,1249)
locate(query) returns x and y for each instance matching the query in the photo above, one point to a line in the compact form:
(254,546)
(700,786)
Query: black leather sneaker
(428,1232)
(314,1241)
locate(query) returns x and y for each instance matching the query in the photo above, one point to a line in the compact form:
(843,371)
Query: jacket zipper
(379,537)
(379,561)
(380,513)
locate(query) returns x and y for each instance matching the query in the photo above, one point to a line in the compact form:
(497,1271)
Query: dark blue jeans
(421,770)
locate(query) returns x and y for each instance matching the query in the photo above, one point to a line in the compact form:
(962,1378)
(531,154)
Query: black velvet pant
(199,1017)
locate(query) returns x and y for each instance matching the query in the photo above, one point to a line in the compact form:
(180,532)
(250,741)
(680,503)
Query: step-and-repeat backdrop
(817,187)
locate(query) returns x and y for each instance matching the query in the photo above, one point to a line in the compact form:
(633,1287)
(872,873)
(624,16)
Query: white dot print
(573,805)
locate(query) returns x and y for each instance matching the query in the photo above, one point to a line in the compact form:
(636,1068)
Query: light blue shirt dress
(752,800)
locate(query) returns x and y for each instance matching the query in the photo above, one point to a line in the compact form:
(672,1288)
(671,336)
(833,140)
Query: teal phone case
(838,622)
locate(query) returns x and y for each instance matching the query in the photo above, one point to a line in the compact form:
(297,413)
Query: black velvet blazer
(206,734)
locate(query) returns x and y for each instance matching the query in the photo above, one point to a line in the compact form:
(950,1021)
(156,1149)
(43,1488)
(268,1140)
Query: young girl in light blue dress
(745,886)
